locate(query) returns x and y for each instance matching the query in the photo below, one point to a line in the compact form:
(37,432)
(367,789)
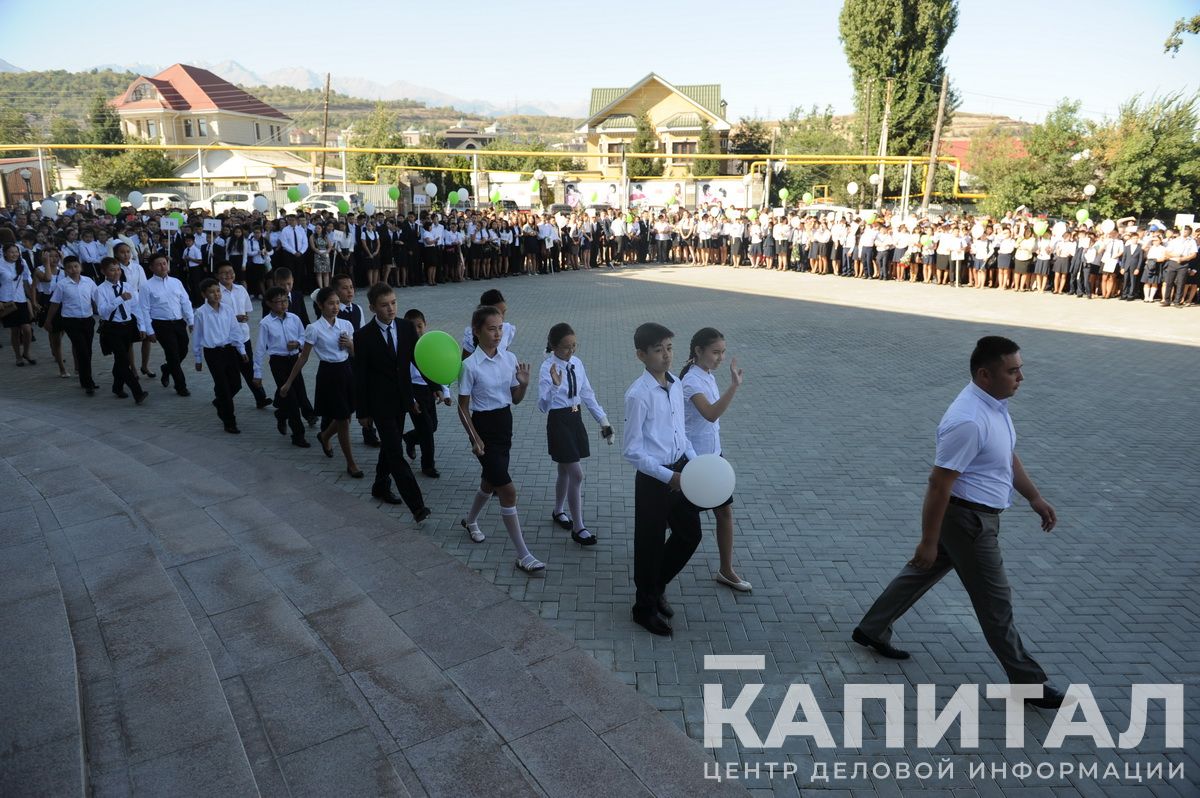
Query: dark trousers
(424,424)
(119,337)
(1174,273)
(1129,283)
(287,408)
(883,262)
(225,368)
(80,332)
(195,276)
(664,251)
(969,544)
(1080,284)
(656,560)
(173,338)
(392,466)
(247,369)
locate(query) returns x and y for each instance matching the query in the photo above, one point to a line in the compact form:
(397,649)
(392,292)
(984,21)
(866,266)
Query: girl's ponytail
(704,338)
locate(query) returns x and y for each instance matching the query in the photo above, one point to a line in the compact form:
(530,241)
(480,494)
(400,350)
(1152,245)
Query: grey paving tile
(301,703)
(500,688)
(51,768)
(469,761)
(313,585)
(225,581)
(104,536)
(520,631)
(568,759)
(166,708)
(360,634)
(348,765)
(443,632)
(263,633)
(588,689)
(216,767)
(274,545)
(666,759)
(413,699)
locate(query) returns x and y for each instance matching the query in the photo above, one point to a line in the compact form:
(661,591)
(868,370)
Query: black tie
(120,307)
(572,389)
(391,344)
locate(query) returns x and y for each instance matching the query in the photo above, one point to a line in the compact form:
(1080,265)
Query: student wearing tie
(383,356)
(166,305)
(279,339)
(426,396)
(121,324)
(656,443)
(563,387)
(352,312)
(218,342)
(73,300)
(294,241)
(16,286)
(135,276)
(238,298)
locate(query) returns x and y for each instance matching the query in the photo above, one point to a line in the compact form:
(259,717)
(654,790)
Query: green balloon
(452,198)
(534,185)
(1040,226)
(926,240)
(808,197)
(293,194)
(438,357)
(177,216)
(784,194)
(343,206)
(112,205)
(868,216)
(393,193)
(752,213)
(1081,215)
(496,196)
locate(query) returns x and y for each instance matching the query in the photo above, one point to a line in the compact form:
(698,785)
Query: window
(257,132)
(187,128)
(203,125)
(137,126)
(143,91)
(151,129)
(684,147)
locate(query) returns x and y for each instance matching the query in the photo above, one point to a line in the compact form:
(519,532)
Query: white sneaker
(739,584)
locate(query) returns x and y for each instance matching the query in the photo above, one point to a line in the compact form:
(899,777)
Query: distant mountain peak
(7,67)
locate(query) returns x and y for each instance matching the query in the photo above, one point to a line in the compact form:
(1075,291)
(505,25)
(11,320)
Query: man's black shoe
(232,429)
(652,623)
(1052,698)
(410,448)
(312,420)
(120,394)
(386,496)
(421,515)
(432,473)
(370,438)
(886,650)
(302,443)
(262,402)
(664,608)
(165,378)
(281,425)
(141,397)
(183,392)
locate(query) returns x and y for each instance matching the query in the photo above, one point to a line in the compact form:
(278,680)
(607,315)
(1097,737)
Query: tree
(104,126)
(380,129)
(548,161)
(708,143)
(904,40)
(750,137)
(644,140)
(1182,26)
(125,171)
(14,129)
(64,130)
(814,133)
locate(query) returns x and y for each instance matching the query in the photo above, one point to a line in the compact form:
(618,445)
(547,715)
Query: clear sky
(1016,57)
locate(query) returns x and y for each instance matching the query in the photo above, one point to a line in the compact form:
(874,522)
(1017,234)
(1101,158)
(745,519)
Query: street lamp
(26,175)
(747,179)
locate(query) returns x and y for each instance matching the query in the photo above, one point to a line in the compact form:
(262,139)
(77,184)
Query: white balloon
(50,208)
(977,231)
(135,199)
(463,194)
(538,174)
(1060,228)
(303,189)
(707,481)
(430,190)
(1107,226)
(369,208)
(852,188)
(261,204)
(1089,189)
(874,179)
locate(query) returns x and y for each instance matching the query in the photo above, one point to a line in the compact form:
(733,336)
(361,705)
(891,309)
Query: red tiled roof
(188,88)
(961,149)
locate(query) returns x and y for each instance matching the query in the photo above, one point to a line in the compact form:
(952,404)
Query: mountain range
(302,78)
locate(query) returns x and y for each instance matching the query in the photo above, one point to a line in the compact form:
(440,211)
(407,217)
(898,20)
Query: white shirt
(239,299)
(324,339)
(557,397)
(294,239)
(415,375)
(133,274)
(47,288)
(274,333)
(163,299)
(111,307)
(654,436)
(976,438)
(214,329)
(704,435)
(75,297)
(489,380)
(507,333)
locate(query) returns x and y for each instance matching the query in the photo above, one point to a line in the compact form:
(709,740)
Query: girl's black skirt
(494,428)
(335,390)
(566,436)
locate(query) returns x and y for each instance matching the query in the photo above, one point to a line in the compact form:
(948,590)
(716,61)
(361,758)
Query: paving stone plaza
(240,615)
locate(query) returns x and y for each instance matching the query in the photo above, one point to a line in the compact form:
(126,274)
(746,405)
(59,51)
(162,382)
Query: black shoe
(120,394)
(90,391)
(232,429)
(302,443)
(141,397)
(563,521)
(1052,698)
(281,425)
(370,438)
(386,496)
(652,623)
(886,650)
(421,515)
(165,378)
(432,473)
(664,608)
(262,402)
(311,420)
(183,392)
(410,448)
(355,473)
(590,540)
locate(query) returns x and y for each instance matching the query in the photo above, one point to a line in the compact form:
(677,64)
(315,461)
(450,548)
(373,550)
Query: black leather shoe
(141,397)
(1052,698)
(421,515)
(653,623)
(311,420)
(262,402)
(884,649)
(410,449)
(165,378)
(432,473)
(386,496)
(302,443)
(370,438)
(233,430)
(590,540)
(281,425)
(120,394)
(90,391)
(664,608)
(183,392)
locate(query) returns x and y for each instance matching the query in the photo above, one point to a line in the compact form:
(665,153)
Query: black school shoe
(860,637)
(1052,698)
(370,437)
(652,622)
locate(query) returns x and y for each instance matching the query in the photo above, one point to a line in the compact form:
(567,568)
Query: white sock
(560,488)
(481,499)
(513,525)
(575,495)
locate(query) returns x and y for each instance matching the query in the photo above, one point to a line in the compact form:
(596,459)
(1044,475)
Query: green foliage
(814,133)
(64,130)
(644,140)
(126,171)
(708,144)
(1182,26)
(50,94)
(14,129)
(380,129)
(904,40)
(425,165)
(549,162)
(750,137)
(104,126)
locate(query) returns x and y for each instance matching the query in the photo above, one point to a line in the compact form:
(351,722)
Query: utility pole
(883,139)
(933,148)
(325,128)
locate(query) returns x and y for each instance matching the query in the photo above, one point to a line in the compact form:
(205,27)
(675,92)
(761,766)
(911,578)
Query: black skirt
(566,436)
(19,316)
(335,390)
(494,428)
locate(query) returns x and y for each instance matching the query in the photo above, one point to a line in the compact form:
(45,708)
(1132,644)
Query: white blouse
(704,435)
(324,336)
(488,380)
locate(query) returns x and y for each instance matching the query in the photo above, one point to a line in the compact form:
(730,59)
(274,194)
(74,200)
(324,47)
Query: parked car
(353,198)
(159,200)
(315,206)
(81,193)
(227,201)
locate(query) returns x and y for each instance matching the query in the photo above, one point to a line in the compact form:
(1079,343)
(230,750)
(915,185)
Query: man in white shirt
(294,240)
(975,471)
(1181,252)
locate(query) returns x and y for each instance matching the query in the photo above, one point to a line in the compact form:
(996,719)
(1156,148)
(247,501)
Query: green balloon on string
(393,193)
(808,197)
(438,357)
(496,197)
(177,216)
(112,205)
(595,196)
(1040,226)
(452,198)
(343,206)
(535,186)
(293,194)
(1081,215)
(783,194)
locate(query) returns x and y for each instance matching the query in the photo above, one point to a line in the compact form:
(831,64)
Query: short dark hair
(650,334)
(492,297)
(376,291)
(107,261)
(274,292)
(281,274)
(70,259)
(339,277)
(223,264)
(156,256)
(990,350)
(412,314)
(206,284)
(324,295)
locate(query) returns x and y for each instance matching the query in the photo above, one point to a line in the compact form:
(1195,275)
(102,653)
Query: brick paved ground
(832,437)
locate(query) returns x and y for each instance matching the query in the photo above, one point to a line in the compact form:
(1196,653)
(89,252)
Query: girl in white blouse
(704,405)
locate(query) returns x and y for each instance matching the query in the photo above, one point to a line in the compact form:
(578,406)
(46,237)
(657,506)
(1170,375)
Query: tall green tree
(123,172)
(1182,25)
(644,140)
(750,137)
(814,132)
(380,129)
(708,143)
(104,126)
(904,40)
(14,129)
(64,130)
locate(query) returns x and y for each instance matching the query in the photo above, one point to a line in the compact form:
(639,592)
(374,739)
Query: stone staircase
(179,617)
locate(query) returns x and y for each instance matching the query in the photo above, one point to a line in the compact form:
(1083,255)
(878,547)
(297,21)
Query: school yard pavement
(831,438)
